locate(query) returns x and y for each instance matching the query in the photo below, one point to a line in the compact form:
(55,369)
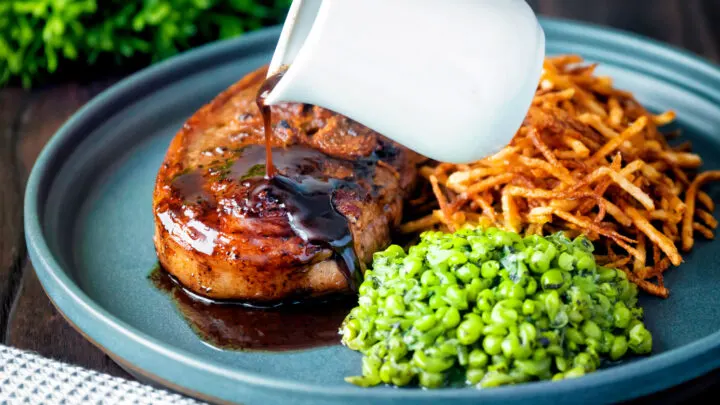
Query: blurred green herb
(41,37)
(257,170)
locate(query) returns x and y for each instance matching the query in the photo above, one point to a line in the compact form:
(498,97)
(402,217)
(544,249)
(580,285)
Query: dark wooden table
(28,119)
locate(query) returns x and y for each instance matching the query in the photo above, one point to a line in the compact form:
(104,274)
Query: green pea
(561,363)
(502,239)
(425,323)
(467,272)
(431,364)
(535,368)
(552,280)
(551,251)
(473,376)
(480,251)
(603,302)
(559,320)
(542,323)
(394,305)
(429,279)
(451,307)
(539,262)
(486,317)
(371,365)
(462,355)
(584,361)
(366,288)
(552,303)
(566,261)
(585,262)
(451,318)
(592,330)
(457,258)
(473,316)
(528,334)
(485,304)
(488,295)
(478,359)
(386,372)
(438,300)
(608,290)
(490,269)
(495,379)
(473,289)
(531,287)
(351,328)
(639,339)
(492,344)
(431,380)
(528,307)
(511,347)
(394,251)
(387,323)
(411,266)
(517,292)
(555,349)
(621,315)
(575,316)
(574,372)
(495,330)
(503,316)
(448,348)
(469,331)
(605,274)
(403,374)
(607,342)
(574,336)
(379,350)
(446,277)
(421,307)
(397,348)
(619,347)
(456,296)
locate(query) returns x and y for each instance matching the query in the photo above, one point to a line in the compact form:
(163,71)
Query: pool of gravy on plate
(236,326)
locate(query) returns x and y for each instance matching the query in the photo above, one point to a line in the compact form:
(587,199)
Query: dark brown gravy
(265,89)
(236,326)
(308,199)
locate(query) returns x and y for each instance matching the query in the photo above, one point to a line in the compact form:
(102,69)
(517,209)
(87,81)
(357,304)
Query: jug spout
(299,21)
(451,80)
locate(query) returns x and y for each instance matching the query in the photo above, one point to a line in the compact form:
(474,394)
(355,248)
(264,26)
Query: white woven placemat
(28,378)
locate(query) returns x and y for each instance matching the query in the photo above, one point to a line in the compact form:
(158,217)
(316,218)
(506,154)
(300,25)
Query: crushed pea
(491,308)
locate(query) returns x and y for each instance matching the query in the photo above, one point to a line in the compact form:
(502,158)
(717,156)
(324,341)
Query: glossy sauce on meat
(239,327)
(227,231)
(307,198)
(299,191)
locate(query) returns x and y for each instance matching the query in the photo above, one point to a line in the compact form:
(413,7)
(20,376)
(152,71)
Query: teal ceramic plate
(89,227)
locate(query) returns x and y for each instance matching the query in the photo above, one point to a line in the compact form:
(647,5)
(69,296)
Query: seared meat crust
(223,243)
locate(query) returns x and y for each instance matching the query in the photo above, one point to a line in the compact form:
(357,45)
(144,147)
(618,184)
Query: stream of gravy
(307,198)
(265,89)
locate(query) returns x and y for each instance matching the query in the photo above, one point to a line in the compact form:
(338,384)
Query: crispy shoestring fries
(590,160)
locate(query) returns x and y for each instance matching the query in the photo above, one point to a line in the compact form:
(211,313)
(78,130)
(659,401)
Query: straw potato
(588,159)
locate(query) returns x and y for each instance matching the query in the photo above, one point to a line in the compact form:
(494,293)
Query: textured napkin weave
(27,378)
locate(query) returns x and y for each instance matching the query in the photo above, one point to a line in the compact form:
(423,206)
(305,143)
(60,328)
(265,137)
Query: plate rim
(74,304)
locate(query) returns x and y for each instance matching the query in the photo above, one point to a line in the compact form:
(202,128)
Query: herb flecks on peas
(489,308)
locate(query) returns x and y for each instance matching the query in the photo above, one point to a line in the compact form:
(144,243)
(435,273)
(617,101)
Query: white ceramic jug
(450,79)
